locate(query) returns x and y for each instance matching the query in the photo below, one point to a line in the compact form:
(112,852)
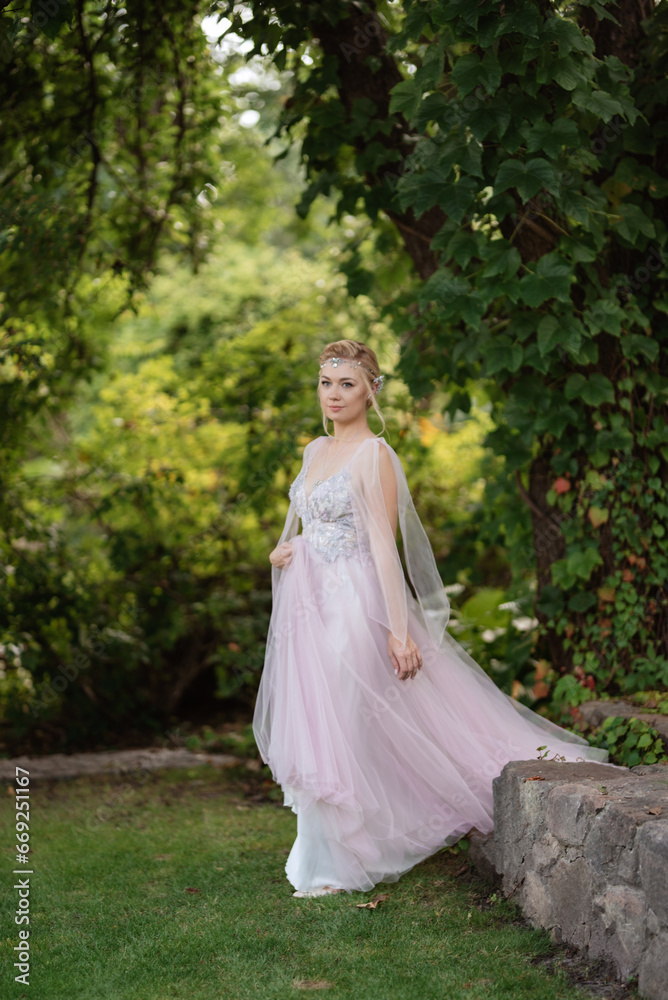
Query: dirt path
(114,762)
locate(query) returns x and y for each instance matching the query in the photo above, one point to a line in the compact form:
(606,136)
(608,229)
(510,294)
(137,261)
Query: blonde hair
(369,369)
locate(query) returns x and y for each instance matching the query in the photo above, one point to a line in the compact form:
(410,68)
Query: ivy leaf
(467,73)
(598,102)
(635,343)
(582,563)
(633,221)
(462,247)
(549,334)
(557,419)
(551,601)
(421,191)
(55,19)
(598,389)
(598,516)
(568,35)
(567,74)
(574,205)
(455,199)
(405,97)
(574,385)
(550,281)
(442,287)
(503,355)
(582,601)
(550,138)
(503,259)
(528,178)
(430,72)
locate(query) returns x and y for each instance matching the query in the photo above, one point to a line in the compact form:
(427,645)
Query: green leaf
(598,103)
(569,36)
(557,419)
(575,205)
(550,138)
(443,287)
(462,247)
(50,20)
(574,384)
(456,199)
(467,73)
(633,221)
(551,601)
(549,334)
(635,343)
(503,355)
(581,564)
(405,97)
(428,76)
(528,178)
(582,601)
(567,74)
(503,259)
(421,191)
(551,280)
(598,389)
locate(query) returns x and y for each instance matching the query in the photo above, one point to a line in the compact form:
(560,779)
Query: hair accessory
(335,362)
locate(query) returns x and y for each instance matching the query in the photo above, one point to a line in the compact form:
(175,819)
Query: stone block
(520,807)
(545,853)
(571,807)
(569,889)
(482,855)
(535,902)
(613,833)
(619,928)
(653,972)
(653,866)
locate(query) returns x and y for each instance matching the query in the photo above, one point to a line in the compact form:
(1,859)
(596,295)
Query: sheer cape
(382,502)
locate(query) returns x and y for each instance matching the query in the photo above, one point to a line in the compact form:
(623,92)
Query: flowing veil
(382,503)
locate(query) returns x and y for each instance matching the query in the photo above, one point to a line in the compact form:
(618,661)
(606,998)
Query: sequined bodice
(327,516)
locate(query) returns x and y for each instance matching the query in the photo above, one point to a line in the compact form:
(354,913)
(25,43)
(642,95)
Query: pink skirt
(380,772)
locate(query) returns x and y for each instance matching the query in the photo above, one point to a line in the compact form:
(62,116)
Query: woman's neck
(346,433)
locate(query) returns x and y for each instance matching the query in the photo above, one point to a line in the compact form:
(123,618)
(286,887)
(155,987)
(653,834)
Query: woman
(383,733)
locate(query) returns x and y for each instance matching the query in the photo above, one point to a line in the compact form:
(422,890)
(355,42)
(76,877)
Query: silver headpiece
(335,362)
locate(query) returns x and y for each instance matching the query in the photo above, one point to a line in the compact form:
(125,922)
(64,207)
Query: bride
(382,731)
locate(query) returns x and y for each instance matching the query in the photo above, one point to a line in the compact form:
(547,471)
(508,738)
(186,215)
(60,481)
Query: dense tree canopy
(518,149)
(494,173)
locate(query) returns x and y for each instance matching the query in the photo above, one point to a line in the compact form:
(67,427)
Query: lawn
(171,887)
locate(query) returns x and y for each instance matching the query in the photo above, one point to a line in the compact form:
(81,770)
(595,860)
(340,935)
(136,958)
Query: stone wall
(583,849)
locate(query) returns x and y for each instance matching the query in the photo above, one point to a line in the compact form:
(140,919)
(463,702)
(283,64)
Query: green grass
(112,917)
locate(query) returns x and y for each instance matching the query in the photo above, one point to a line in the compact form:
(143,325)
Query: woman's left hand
(406,660)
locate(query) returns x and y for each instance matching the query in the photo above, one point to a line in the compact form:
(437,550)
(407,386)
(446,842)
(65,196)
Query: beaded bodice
(328,524)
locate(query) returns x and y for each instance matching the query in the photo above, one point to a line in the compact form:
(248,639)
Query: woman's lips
(335,407)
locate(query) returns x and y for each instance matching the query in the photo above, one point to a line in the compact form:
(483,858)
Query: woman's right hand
(281,556)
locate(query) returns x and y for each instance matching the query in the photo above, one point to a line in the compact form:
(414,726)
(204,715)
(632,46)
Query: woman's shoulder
(379,451)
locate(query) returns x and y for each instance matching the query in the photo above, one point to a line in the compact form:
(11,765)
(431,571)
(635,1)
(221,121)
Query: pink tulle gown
(381,772)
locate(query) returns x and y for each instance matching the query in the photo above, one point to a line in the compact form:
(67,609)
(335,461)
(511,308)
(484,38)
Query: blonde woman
(383,733)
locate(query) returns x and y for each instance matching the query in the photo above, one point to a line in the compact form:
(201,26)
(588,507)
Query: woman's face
(342,392)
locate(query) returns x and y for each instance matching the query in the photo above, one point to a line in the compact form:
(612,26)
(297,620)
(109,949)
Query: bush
(629,741)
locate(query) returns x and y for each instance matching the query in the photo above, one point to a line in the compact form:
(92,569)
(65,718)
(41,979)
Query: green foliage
(529,160)
(137,554)
(629,741)
(106,143)
(498,214)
